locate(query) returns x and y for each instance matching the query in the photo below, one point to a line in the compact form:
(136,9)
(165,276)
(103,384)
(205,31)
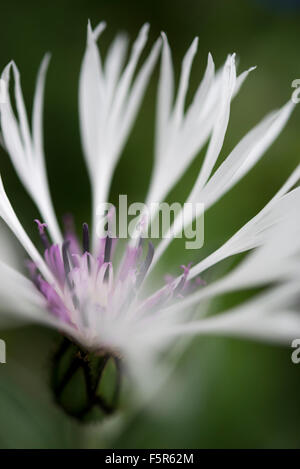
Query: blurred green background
(227,393)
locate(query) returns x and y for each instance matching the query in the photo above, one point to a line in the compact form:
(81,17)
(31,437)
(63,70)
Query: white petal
(136,95)
(281,328)
(91,97)
(24,127)
(165,93)
(126,80)
(245,155)
(181,135)
(37,114)
(109,102)
(194,111)
(275,261)
(20,301)
(255,232)
(269,316)
(220,125)
(26,153)
(8,215)
(113,65)
(184,82)
(9,249)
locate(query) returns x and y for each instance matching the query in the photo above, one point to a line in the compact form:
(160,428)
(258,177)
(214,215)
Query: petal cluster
(99,299)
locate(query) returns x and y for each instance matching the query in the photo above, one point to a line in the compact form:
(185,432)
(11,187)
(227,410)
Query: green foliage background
(228,393)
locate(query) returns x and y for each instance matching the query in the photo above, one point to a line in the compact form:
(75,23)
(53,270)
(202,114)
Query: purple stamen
(107,250)
(85,238)
(33,272)
(200,282)
(158,299)
(107,254)
(70,235)
(182,281)
(69,265)
(129,262)
(70,283)
(144,268)
(86,243)
(65,254)
(55,304)
(43,236)
(54,261)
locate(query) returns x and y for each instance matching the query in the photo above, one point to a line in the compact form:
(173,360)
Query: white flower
(77,289)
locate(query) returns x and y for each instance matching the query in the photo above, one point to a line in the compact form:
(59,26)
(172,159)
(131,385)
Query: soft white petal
(109,100)
(26,152)
(8,215)
(184,82)
(136,94)
(165,93)
(256,230)
(91,96)
(20,301)
(193,113)
(37,114)
(125,83)
(269,316)
(275,261)
(113,65)
(9,249)
(244,156)
(221,123)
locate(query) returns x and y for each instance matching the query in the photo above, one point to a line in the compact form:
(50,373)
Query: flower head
(79,286)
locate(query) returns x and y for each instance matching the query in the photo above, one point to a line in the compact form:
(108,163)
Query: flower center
(88,294)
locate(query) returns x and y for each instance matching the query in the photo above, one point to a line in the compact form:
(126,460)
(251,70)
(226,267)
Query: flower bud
(86,385)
